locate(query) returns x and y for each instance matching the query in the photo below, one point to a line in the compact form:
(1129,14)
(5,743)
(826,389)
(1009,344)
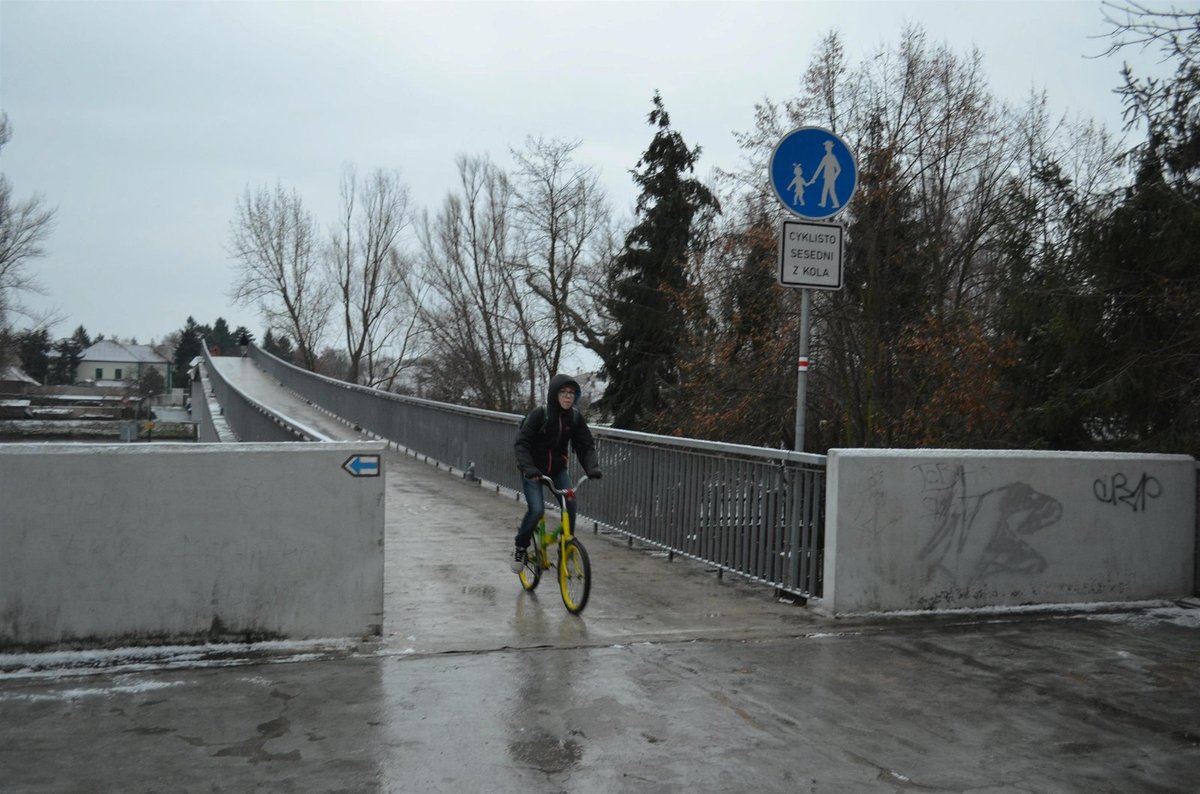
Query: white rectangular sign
(810,255)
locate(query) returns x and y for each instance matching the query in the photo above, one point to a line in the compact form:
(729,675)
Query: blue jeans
(535,500)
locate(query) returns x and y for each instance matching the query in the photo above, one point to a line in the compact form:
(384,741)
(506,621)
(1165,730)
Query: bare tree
(273,238)
(561,211)
(936,158)
(589,318)
(404,339)
(372,278)
(23,227)
(478,318)
(1175,31)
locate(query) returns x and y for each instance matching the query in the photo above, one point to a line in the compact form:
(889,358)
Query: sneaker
(518,560)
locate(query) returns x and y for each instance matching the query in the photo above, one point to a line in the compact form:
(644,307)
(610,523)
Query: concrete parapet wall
(105,544)
(942,529)
(211,426)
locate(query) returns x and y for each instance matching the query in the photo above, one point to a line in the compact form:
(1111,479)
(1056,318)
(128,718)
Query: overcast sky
(142,123)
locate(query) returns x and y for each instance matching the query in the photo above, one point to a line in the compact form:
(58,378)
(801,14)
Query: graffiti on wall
(1118,489)
(979,532)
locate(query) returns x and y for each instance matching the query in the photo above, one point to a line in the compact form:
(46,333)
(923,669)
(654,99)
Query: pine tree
(188,348)
(649,277)
(222,338)
(81,338)
(1142,380)
(278,346)
(33,347)
(70,355)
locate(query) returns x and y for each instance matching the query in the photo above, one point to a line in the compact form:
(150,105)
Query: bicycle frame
(574,569)
(564,520)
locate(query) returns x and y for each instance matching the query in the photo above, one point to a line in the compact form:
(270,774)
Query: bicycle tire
(574,576)
(531,574)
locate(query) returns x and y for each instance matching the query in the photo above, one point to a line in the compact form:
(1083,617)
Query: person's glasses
(566,393)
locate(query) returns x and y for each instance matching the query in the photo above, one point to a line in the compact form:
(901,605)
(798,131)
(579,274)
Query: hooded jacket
(547,433)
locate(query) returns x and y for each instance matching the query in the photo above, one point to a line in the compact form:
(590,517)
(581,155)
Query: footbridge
(857,531)
(747,511)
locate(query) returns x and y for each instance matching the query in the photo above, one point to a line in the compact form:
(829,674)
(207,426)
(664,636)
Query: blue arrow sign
(362,465)
(813,172)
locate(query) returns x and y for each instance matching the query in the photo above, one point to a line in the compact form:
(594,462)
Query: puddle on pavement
(485,591)
(546,753)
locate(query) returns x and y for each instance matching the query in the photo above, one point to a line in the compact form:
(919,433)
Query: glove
(531,474)
(595,474)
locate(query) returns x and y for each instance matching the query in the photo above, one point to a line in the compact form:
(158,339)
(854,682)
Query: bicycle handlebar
(569,492)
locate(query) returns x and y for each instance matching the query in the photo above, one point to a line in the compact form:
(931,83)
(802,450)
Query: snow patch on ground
(60,664)
(1185,616)
(1185,612)
(79,693)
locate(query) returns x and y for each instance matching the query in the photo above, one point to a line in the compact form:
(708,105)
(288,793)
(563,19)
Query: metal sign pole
(802,372)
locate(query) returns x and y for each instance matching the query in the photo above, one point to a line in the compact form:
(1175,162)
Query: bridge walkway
(446,564)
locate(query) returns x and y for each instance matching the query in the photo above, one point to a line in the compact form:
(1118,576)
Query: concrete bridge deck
(671,680)
(260,387)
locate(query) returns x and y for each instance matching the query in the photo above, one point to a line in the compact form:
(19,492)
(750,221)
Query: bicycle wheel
(574,576)
(531,574)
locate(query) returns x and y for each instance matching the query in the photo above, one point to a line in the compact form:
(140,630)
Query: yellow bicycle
(574,569)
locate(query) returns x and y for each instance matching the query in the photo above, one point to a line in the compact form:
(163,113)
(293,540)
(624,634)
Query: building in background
(13,380)
(109,363)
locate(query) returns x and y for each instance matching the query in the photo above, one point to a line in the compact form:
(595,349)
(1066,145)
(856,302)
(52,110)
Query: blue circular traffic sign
(813,172)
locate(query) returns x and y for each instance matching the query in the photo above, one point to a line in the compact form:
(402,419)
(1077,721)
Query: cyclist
(542,446)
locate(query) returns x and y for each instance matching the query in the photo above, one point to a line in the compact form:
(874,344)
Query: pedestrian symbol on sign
(830,168)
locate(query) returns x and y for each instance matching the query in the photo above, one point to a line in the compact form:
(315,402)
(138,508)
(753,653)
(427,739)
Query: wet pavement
(672,680)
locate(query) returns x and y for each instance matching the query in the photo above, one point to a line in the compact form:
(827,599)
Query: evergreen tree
(81,339)
(1107,314)
(188,348)
(1109,338)
(1169,108)
(1142,387)
(222,338)
(278,346)
(70,350)
(649,277)
(33,348)
(1046,307)
(1149,390)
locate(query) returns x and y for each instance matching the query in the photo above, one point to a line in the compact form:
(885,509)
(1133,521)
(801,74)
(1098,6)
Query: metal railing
(753,511)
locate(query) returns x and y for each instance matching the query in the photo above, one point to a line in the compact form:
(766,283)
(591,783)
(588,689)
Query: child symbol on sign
(798,184)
